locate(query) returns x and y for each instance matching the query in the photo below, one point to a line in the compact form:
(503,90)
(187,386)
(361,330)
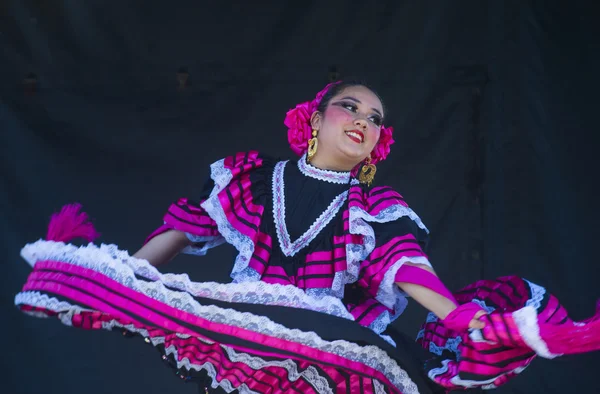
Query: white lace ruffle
(288,247)
(222,176)
(389,214)
(388,293)
(537,295)
(379,389)
(488,309)
(371,356)
(120,266)
(355,253)
(456,380)
(451,345)
(209,243)
(322,175)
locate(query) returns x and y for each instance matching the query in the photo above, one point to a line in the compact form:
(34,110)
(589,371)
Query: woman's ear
(315,120)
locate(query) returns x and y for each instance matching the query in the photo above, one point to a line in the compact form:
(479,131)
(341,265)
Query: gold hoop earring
(313,144)
(367,172)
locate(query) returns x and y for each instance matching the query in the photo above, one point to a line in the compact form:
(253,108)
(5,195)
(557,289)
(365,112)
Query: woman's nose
(360,123)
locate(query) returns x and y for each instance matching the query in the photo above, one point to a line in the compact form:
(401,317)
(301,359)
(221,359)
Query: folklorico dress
(310,297)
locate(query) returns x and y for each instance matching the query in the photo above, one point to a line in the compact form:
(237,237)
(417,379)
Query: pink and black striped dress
(310,296)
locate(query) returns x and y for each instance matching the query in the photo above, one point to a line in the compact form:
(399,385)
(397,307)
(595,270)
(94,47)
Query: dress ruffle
(207,326)
(524,321)
(366,230)
(278,330)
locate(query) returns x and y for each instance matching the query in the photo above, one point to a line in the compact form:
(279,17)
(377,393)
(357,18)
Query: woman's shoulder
(381,204)
(375,199)
(243,159)
(241,163)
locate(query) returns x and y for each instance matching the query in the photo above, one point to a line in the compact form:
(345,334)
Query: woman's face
(349,129)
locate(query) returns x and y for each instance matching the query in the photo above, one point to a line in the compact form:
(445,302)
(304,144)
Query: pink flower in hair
(298,122)
(299,130)
(382,149)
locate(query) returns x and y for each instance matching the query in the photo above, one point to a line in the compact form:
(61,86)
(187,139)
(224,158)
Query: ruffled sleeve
(524,321)
(392,235)
(230,209)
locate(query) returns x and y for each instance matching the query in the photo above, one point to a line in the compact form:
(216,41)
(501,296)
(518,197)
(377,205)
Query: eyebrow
(358,101)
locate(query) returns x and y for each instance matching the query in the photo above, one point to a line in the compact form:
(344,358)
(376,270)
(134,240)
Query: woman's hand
(425,287)
(476,323)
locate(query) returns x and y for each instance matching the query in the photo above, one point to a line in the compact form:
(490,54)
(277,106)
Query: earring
(313,143)
(367,172)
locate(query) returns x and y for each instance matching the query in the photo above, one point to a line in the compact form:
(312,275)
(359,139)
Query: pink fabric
(375,200)
(374,268)
(570,337)
(421,277)
(71,223)
(234,202)
(460,318)
(262,253)
(505,352)
(368,311)
(186,216)
(244,210)
(86,291)
(242,162)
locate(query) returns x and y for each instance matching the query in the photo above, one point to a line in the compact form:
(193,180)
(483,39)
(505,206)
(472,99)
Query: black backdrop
(493,103)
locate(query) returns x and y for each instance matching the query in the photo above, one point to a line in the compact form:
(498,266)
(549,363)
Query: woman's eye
(350,107)
(377,121)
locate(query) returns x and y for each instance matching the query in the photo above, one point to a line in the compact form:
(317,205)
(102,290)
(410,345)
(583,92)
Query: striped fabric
(236,209)
(264,358)
(525,322)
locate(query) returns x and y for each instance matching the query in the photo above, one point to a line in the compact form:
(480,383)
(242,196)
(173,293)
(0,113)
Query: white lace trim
(451,345)
(537,295)
(220,175)
(381,322)
(371,356)
(378,386)
(438,371)
(245,246)
(488,309)
(456,380)
(322,175)
(389,294)
(288,247)
(243,243)
(310,375)
(356,253)
(118,265)
(389,214)
(527,323)
(209,243)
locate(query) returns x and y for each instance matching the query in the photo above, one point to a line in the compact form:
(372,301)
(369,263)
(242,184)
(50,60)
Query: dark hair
(336,89)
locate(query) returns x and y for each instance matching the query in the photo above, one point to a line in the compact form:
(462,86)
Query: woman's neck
(322,163)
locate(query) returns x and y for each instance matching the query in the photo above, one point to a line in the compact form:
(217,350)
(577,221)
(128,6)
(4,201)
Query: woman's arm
(440,305)
(163,247)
